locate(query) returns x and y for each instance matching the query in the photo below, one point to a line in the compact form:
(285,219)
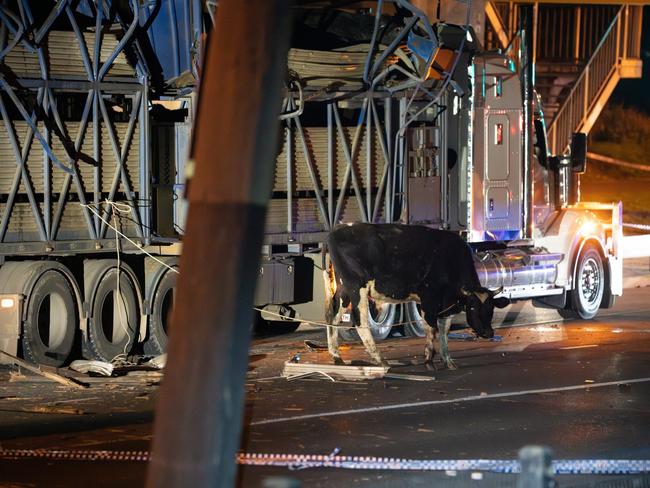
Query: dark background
(636,93)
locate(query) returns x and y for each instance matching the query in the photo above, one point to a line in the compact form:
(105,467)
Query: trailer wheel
(380,320)
(415,325)
(589,285)
(113,325)
(161,308)
(51,321)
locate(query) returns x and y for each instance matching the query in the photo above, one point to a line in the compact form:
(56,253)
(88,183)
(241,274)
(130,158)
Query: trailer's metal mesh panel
(306,216)
(316,139)
(22,223)
(93,90)
(36,155)
(64,58)
(23,227)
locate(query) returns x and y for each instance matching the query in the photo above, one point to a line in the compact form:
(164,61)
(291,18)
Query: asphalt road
(582,388)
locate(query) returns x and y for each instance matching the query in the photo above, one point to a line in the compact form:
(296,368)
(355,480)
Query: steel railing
(620,41)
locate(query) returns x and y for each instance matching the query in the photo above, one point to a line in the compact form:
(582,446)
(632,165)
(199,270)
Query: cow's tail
(330,292)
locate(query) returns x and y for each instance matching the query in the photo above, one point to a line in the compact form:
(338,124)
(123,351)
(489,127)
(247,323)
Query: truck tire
(608,299)
(415,324)
(586,297)
(113,324)
(161,308)
(51,321)
(380,321)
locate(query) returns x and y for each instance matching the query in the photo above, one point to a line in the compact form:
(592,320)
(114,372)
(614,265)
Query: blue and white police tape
(333,460)
(563,466)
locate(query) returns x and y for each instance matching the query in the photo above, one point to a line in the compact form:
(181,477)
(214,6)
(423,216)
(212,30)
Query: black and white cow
(393,263)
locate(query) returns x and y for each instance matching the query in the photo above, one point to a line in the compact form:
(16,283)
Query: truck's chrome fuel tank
(515,267)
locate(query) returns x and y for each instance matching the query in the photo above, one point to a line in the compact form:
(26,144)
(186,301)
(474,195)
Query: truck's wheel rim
(590,283)
(417,323)
(382,320)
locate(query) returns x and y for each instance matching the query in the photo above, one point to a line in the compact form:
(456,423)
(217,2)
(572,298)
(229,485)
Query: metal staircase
(582,51)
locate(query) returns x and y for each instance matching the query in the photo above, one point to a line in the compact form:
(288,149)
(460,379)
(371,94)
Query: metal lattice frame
(330,199)
(368,199)
(97,83)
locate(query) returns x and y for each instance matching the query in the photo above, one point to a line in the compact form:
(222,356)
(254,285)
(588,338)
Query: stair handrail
(555,122)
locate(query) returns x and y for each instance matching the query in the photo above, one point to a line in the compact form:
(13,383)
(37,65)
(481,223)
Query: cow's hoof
(339,362)
(380,362)
(430,365)
(451,365)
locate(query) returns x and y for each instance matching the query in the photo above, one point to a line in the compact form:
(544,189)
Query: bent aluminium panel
(74,145)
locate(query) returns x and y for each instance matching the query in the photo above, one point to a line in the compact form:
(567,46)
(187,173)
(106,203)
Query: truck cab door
(497,140)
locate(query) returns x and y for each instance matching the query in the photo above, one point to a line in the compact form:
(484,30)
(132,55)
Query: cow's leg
(429,350)
(430,346)
(332,294)
(333,344)
(364,330)
(333,334)
(443,330)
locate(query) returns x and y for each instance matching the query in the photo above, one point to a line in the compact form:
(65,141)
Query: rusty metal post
(199,412)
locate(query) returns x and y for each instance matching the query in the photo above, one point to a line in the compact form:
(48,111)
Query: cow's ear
(501,302)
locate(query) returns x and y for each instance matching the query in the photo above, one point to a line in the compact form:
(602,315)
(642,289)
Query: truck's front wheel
(589,285)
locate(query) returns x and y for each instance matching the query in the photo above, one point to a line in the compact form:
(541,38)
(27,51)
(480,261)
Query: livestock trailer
(94,121)
(386,117)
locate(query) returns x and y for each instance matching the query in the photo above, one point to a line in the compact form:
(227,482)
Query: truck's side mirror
(579,152)
(540,143)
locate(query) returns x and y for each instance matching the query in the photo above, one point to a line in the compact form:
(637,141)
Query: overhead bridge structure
(582,50)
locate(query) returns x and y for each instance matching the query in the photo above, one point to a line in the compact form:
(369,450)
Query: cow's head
(479,308)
